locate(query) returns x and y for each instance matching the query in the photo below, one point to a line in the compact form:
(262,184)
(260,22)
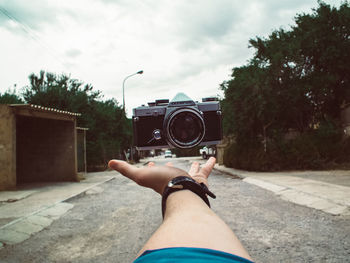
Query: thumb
(124,168)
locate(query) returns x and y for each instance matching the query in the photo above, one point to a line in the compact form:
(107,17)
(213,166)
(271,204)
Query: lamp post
(138,72)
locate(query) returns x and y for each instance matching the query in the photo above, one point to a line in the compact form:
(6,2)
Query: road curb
(290,194)
(86,189)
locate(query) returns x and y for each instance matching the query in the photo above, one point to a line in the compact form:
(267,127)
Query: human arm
(188,221)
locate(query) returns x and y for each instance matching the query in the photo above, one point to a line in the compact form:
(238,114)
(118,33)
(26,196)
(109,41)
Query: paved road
(111,222)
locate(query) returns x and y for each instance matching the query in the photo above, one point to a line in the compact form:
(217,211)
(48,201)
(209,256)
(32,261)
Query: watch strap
(186,183)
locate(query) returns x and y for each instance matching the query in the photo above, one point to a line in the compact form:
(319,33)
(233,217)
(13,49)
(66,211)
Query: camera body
(180,123)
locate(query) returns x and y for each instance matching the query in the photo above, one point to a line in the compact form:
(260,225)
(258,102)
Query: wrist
(181,183)
(184,202)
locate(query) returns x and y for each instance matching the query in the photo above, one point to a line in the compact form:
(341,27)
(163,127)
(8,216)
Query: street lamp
(138,72)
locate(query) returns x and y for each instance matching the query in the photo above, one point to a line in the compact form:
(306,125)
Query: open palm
(157,177)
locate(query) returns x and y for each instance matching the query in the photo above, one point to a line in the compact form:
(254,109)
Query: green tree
(10,97)
(247,108)
(60,91)
(297,80)
(324,38)
(309,64)
(109,129)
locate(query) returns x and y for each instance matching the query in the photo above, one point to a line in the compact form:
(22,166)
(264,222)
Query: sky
(181,45)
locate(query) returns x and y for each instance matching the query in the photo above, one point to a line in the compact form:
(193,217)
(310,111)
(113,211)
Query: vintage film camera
(181,123)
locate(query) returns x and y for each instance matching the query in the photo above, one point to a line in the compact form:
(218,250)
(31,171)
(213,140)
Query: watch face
(176,182)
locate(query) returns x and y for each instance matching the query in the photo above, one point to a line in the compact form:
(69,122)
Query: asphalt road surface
(112,222)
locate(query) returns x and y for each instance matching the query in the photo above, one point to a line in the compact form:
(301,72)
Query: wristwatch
(186,183)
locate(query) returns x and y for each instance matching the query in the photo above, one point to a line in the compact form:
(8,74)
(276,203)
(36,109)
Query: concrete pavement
(328,191)
(32,207)
(35,206)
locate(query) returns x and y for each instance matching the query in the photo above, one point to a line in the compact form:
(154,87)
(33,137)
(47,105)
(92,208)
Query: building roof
(41,108)
(32,110)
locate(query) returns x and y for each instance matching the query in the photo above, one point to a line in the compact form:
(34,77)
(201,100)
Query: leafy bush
(324,148)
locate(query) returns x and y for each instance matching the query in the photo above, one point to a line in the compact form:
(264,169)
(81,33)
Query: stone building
(37,144)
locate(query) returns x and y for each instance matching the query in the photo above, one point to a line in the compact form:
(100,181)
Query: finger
(169,164)
(194,169)
(124,168)
(150,164)
(208,167)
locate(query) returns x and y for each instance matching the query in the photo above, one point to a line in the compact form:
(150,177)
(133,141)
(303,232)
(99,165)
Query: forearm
(189,222)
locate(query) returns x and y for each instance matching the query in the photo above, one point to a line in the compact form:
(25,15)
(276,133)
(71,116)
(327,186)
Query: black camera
(180,123)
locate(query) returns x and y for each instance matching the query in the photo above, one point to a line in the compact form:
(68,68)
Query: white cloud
(188,46)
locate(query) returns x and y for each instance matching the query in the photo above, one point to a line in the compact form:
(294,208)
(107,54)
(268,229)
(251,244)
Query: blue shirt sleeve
(188,255)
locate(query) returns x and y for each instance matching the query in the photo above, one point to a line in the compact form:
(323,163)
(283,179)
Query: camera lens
(185,128)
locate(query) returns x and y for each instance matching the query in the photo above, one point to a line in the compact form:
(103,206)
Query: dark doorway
(45,150)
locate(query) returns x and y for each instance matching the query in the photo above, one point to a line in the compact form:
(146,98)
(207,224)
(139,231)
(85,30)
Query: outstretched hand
(157,177)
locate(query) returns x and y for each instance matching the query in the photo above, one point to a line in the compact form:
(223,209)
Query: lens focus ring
(185,128)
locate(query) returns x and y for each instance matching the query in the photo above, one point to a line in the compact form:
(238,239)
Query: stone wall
(7,148)
(36,145)
(220,149)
